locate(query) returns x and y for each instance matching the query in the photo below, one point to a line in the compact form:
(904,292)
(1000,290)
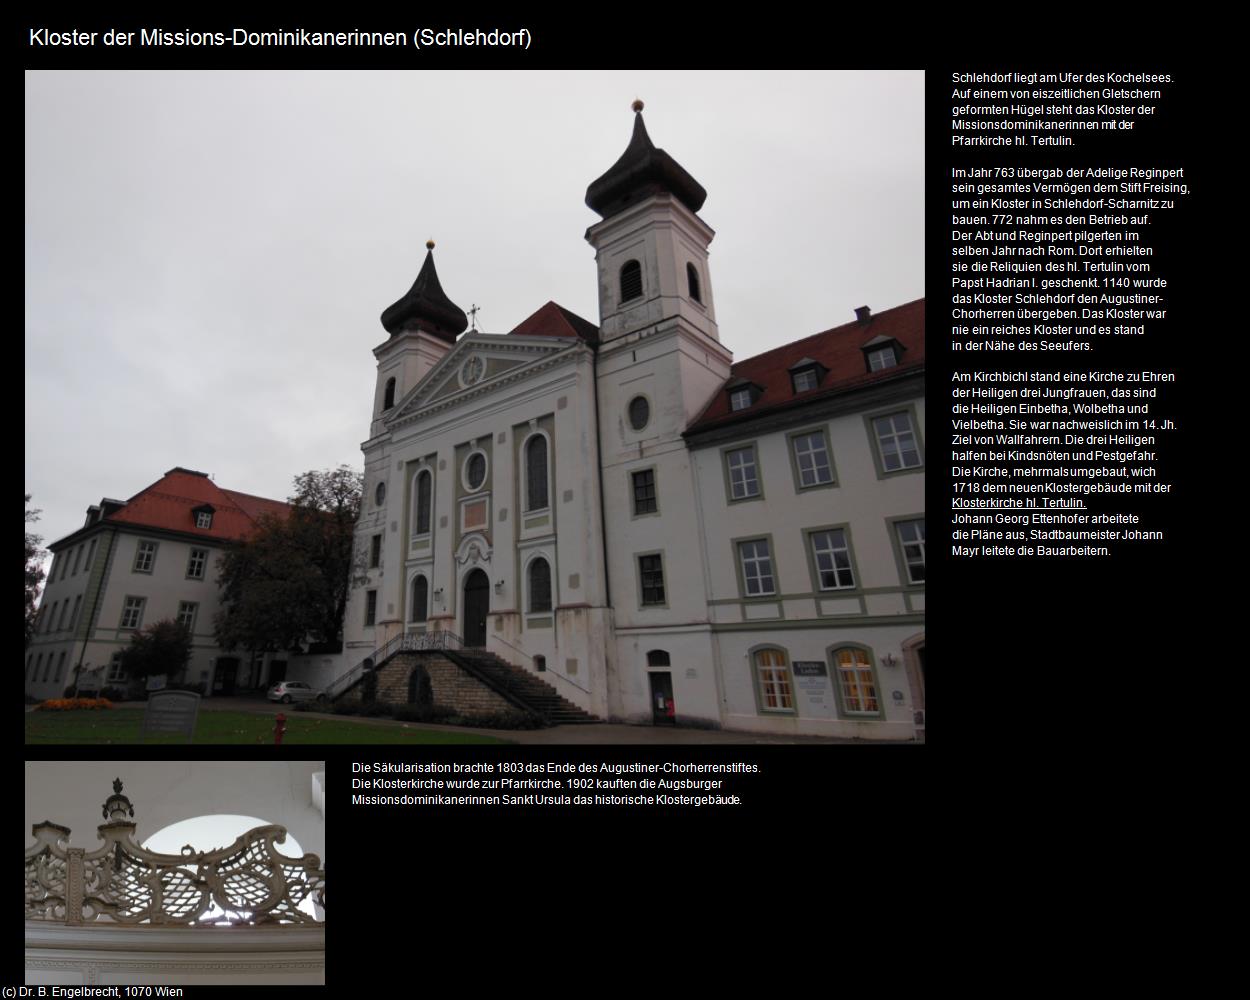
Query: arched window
(389,401)
(773,684)
(631,281)
(536,473)
(856,681)
(658,658)
(421,525)
(540,585)
(420,599)
(692,279)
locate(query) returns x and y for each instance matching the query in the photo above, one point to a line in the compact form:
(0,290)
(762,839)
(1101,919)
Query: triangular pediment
(479,363)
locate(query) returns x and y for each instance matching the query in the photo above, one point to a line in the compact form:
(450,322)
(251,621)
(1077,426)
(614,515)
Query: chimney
(862,315)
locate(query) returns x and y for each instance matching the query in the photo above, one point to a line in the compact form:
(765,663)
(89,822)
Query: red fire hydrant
(278,729)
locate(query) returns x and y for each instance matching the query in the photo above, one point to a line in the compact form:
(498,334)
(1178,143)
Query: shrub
(113,693)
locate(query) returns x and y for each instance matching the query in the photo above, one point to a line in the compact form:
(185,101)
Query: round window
(475,470)
(639,412)
(379,495)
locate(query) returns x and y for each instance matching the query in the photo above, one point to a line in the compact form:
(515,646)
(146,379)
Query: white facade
(650,619)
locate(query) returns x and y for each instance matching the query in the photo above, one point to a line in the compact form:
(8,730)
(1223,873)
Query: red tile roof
(554,320)
(169,505)
(840,350)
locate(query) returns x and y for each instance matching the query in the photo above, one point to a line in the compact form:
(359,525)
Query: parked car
(289,691)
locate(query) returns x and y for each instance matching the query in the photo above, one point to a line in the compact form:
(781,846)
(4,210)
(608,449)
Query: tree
(34,572)
(288,582)
(162,648)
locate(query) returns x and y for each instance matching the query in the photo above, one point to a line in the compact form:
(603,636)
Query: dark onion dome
(426,306)
(641,172)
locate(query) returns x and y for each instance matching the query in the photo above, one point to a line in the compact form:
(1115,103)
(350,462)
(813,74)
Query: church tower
(423,326)
(660,361)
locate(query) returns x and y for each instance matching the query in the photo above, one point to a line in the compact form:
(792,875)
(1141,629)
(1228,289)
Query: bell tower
(423,326)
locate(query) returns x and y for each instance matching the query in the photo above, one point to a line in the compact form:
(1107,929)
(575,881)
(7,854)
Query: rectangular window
(832,553)
(186,615)
(204,519)
(90,555)
(740,399)
(73,619)
(375,551)
(64,611)
(132,613)
(651,576)
(77,560)
(60,668)
(47,626)
(757,568)
(812,458)
(882,357)
(47,668)
(773,676)
(196,564)
(911,539)
(371,607)
(145,557)
(744,481)
(855,682)
(896,442)
(644,492)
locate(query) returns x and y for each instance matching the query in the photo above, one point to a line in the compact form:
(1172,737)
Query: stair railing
(403,643)
(559,676)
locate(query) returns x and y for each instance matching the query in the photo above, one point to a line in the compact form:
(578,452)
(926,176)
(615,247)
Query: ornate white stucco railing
(251,881)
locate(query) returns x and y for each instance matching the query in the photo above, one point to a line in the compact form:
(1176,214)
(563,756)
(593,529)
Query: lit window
(132,613)
(740,399)
(145,557)
(645,501)
(631,280)
(757,568)
(420,599)
(375,551)
(832,554)
(772,675)
(744,481)
(882,357)
(536,473)
(812,458)
(896,442)
(856,685)
(186,615)
(911,538)
(540,585)
(196,564)
(204,519)
(371,607)
(805,380)
(651,576)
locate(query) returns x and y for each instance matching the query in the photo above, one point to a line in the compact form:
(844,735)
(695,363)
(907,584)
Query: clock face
(472,371)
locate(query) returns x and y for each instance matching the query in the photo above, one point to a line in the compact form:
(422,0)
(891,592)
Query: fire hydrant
(278,729)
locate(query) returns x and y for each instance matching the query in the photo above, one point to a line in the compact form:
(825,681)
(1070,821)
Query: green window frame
(855,681)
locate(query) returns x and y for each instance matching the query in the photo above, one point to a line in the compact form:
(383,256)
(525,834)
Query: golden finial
(637,105)
(429,244)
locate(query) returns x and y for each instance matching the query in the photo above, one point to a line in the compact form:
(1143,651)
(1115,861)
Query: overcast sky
(207,254)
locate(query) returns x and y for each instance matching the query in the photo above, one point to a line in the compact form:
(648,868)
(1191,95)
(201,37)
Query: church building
(660,534)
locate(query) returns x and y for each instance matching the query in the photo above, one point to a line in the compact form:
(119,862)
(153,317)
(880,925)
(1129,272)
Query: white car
(289,691)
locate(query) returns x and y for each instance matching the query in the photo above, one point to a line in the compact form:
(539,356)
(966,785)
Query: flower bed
(62,704)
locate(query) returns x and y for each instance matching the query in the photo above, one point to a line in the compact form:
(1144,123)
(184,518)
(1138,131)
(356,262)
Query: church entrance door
(476,608)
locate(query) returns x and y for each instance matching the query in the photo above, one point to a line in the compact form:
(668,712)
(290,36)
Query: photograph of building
(202,873)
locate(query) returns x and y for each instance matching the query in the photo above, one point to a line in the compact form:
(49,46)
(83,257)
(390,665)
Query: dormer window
(203,516)
(805,375)
(881,353)
(740,399)
(631,281)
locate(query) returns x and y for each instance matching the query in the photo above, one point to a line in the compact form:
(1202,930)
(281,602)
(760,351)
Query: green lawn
(122,725)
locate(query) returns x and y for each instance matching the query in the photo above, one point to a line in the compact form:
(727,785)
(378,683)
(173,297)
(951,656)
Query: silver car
(289,691)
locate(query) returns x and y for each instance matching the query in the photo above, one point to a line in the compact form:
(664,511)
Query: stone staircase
(521,686)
